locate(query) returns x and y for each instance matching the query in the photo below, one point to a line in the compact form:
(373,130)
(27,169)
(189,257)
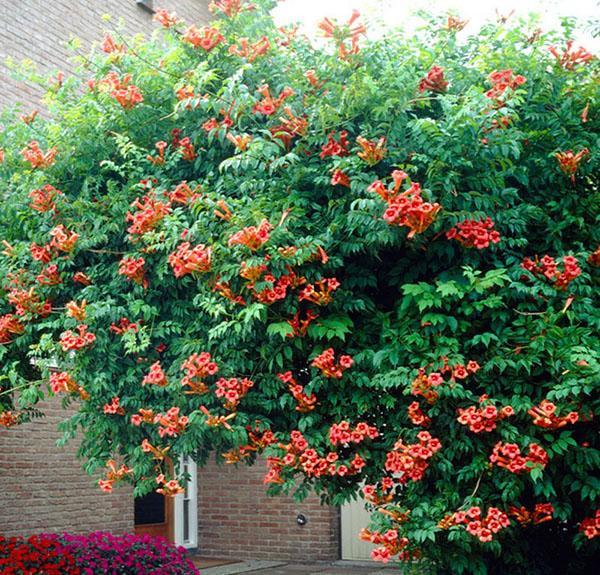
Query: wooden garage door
(354,518)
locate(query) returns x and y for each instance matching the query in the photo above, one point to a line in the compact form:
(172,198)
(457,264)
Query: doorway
(174,518)
(153,515)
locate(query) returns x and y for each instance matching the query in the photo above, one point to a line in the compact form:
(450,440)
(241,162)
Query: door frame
(191,496)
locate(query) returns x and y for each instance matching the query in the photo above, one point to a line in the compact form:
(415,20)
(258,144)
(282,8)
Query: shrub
(375,262)
(106,554)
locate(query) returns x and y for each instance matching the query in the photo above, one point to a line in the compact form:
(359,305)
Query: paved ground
(277,568)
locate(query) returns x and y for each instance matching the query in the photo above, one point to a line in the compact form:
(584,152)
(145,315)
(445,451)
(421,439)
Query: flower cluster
(133,269)
(206,38)
(300,326)
(434,81)
(114,407)
(113,474)
(300,456)
(541,513)
(171,423)
(49,276)
(277,288)
(320,292)
(109,46)
(590,526)
(44,199)
(63,239)
(183,194)
(252,237)
(187,259)
(570,57)
(411,460)
(76,311)
(544,416)
(351,30)
(305,402)
(43,254)
(143,416)
(568,161)
(38,159)
(230,8)
(9,419)
(425,383)
(233,390)
(474,233)
(126,94)
(416,415)
(156,376)
(71,341)
(168,488)
(61,381)
(501,81)
(157,452)
(508,455)
(484,528)
(9,327)
(268,105)
(123,326)
(343,434)
(149,212)
(197,367)
(335,147)
(372,152)
(594,258)
(339,178)
(405,208)
(165,18)
(390,544)
(329,367)
(380,493)
(159,160)
(548,267)
(483,418)
(28,302)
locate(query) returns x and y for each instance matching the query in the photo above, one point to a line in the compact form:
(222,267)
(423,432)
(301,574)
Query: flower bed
(94,554)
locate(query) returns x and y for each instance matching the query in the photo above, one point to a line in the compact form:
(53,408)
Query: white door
(186,507)
(354,518)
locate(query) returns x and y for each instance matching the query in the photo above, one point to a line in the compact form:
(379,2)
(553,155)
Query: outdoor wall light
(301,519)
(145,5)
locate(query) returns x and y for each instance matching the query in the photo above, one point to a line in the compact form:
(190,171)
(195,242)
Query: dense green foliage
(424,315)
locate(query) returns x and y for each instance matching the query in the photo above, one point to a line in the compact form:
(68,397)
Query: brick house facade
(42,485)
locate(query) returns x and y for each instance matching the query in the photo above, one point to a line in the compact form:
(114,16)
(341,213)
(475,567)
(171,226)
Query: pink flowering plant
(372,261)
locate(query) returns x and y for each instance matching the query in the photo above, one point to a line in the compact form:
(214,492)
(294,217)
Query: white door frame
(189,498)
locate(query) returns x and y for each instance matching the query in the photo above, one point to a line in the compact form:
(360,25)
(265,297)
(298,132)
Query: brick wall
(38,29)
(237,520)
(43,488)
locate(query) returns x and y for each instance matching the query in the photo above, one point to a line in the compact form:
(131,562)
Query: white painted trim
(192,488)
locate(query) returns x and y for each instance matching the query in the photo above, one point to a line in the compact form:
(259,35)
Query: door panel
(354,518)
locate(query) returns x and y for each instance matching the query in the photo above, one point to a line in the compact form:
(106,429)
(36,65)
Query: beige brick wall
(237,520)
(43,488)
(39,29)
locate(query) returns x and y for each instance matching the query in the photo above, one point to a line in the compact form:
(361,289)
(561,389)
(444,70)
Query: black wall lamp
(146,5)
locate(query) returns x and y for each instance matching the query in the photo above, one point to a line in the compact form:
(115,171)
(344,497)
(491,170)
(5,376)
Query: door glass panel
(150,509)
(186,520)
